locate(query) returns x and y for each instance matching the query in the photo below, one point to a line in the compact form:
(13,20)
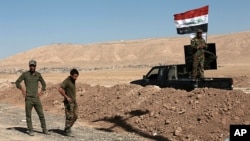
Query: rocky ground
(146,113)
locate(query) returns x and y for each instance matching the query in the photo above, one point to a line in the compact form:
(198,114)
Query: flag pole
(206,36)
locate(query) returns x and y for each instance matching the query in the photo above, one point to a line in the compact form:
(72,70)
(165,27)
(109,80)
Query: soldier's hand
(23,93)
(203,45)
(40,94)
(69,99)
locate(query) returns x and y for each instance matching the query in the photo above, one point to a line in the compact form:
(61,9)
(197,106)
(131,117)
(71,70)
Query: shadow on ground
(121,122)
(57,131)
(20,129)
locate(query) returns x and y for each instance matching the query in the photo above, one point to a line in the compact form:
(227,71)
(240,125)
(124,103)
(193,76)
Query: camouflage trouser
(71,114)
(31,102)
(198,66)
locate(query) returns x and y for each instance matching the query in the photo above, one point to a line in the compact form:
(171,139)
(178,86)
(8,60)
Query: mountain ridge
(231,49)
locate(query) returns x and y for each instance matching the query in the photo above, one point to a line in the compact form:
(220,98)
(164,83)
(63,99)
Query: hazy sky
(27,24)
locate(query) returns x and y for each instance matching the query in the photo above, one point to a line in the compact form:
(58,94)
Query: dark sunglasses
(32,65)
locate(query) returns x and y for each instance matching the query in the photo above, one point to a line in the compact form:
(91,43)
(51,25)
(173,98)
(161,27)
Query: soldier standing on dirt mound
(198,44)
(68,90)
(32,96)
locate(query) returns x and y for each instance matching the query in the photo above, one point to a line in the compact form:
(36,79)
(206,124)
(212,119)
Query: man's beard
(72,80)
(32,70)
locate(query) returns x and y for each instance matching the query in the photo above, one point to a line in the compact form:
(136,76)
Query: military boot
(31,133)
(68,132)
(46,132)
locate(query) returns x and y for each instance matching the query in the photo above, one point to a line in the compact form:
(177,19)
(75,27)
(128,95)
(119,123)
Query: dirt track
(13,128)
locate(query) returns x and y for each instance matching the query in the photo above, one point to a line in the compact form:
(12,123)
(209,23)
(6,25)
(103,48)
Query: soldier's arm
(43,83)
(43,89)
(62,88)
(193,44)
(62,92)
(204,44)
(18,85)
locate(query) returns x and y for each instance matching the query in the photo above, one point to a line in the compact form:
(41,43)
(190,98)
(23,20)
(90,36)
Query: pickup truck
(179,75)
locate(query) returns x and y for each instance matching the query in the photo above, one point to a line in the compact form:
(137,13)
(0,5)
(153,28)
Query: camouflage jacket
(198,44)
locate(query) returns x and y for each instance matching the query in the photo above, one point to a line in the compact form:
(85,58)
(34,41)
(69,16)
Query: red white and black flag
(189,21)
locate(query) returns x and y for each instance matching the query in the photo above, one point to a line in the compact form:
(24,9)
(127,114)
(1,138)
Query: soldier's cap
(199,31)
(32,62)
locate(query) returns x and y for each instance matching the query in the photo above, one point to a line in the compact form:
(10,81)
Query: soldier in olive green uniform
(68,90)
(31,95)
(198,44)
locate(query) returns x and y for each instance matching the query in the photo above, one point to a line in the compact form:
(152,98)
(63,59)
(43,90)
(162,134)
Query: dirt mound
(151,112)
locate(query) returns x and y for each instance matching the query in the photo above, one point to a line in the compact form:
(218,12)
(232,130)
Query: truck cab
(179,75)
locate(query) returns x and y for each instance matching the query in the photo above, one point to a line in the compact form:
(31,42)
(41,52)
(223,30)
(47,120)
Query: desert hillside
(231,49)
(109,104)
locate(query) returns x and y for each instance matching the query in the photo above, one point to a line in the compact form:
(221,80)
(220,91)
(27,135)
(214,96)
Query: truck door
(152,77)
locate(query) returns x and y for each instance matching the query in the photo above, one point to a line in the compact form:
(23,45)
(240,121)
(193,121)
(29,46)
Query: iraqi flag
(189,21)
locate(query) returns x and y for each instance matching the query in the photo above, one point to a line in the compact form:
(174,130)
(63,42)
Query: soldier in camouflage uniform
(31,95)
(68,90)
(198,44)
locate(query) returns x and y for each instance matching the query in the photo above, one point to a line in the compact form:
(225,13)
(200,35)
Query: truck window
(172,73)
(182,73)
(153,74)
